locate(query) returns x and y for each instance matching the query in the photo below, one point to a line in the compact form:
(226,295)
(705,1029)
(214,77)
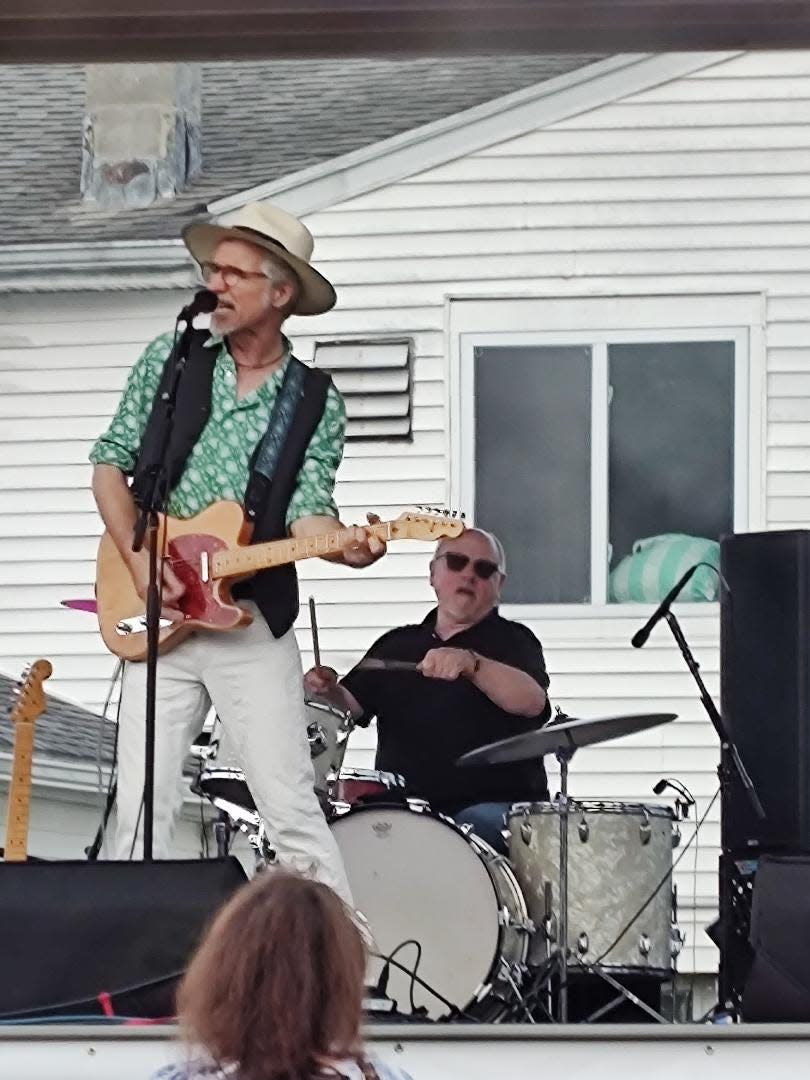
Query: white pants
(254,681)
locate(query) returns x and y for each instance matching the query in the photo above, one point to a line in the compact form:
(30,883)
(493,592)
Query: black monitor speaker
(89,938)
(777,989)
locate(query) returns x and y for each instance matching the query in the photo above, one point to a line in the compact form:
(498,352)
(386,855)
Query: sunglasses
(483,568)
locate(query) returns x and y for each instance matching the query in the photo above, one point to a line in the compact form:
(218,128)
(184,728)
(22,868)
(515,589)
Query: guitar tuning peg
(463,515)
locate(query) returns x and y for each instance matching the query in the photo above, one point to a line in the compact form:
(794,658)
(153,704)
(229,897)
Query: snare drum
(226,788)
(618,853)
(353,786)
(417,877)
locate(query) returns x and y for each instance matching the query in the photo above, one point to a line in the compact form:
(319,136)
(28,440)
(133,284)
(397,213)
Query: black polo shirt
(424,725)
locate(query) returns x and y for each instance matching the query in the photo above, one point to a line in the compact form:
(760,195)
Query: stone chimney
(141,133)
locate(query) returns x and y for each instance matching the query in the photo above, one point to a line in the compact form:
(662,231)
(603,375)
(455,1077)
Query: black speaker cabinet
(79,937)
(765,686)
(777,989)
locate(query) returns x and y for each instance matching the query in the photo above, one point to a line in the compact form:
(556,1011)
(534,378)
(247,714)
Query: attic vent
(375,380)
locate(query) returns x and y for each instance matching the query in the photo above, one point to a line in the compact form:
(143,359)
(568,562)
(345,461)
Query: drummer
(478,678)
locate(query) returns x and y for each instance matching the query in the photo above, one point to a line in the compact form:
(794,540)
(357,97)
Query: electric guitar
(30,703)
(208,553)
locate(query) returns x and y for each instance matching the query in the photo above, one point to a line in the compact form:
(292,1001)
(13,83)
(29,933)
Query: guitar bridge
(137,625)
(204,574)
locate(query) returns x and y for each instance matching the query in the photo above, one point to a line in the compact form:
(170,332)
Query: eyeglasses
(231,275)
(483,568)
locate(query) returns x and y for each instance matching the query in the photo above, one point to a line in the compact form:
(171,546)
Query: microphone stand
(728,752)
(727,746)
(152,502)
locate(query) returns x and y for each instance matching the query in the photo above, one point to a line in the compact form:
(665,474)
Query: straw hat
(275,231)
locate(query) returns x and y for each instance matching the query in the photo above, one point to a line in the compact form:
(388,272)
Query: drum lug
(583,830)
(466,828)
(550,928)
(526,832)
(504,918)
(676,834)
(583,943)
(644,945)
(645,829)
(317,739)
(523,926)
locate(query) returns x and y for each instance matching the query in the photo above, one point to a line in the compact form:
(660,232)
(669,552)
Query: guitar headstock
(428,523)
(30,695)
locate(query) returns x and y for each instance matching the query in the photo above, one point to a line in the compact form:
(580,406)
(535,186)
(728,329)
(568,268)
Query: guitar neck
(19,795)
(254,557)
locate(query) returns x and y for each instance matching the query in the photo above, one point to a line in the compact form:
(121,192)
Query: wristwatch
(476,663)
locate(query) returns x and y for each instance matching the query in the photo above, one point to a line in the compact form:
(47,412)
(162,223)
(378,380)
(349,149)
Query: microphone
(203,303)
(688,799)
(640,637)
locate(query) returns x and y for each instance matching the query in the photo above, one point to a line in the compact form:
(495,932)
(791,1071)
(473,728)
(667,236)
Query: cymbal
(564,736)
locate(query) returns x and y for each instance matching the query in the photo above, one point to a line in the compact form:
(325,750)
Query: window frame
(603,322)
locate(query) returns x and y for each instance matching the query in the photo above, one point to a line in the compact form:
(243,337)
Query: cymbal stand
(559,960)
(563,757)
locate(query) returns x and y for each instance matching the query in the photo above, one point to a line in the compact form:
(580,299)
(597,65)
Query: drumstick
(371,664)
(313,625)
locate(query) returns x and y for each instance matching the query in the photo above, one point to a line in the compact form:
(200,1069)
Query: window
(576,446)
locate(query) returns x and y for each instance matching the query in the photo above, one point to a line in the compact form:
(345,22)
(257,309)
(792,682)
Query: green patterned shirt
(219,465)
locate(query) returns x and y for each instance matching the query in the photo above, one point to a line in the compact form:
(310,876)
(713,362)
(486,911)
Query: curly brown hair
(276,986)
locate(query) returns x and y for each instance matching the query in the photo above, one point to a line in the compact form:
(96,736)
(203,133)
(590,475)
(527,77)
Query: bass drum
(619,854)
(441,903)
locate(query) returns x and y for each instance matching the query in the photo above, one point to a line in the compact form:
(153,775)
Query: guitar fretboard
(255,557)
(19,795)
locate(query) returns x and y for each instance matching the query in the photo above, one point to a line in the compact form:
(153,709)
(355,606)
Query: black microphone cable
(453,1009)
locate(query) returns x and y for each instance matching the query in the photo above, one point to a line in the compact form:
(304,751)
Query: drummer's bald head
(498,553)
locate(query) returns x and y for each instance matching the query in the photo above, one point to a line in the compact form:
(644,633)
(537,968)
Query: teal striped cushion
(657,562)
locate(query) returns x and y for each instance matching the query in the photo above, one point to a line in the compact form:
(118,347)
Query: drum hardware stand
(263,852)
(621,993)
(223,834)
(232,819)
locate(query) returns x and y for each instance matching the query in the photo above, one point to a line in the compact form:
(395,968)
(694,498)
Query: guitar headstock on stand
(30,697)
(30,702)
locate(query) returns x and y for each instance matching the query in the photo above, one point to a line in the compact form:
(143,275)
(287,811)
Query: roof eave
(103,265)
(548,102)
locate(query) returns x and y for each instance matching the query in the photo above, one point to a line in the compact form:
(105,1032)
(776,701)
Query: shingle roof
(260,121)
(64,731)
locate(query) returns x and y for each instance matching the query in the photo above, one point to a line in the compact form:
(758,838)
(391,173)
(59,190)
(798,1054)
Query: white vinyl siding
(696,188)
(695,191)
